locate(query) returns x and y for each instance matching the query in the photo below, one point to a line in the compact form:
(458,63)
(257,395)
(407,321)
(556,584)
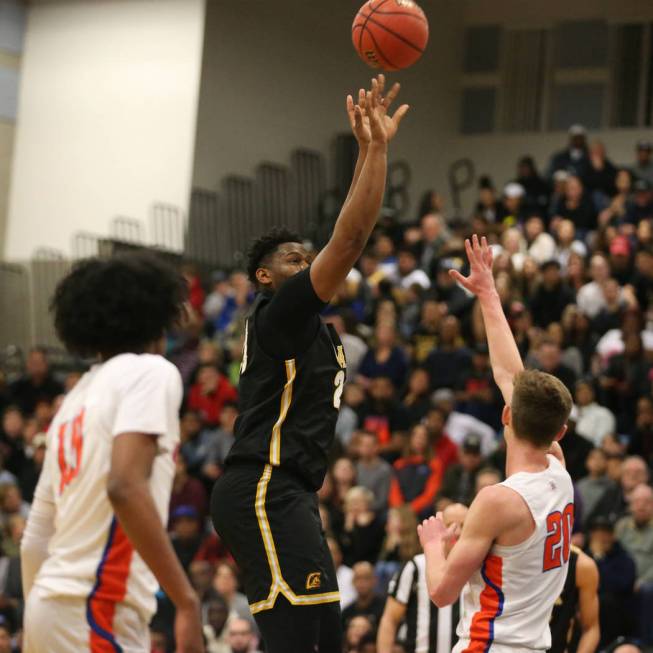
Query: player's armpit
(393,615)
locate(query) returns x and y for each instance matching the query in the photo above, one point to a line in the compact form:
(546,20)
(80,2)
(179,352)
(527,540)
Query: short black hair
(268,244)
(116,305)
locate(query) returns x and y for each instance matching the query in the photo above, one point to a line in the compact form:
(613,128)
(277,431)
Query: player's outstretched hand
(480,279)
(188,630)
(434,531)
(374,101)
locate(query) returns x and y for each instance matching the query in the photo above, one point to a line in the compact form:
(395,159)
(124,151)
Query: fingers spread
(399,114)
(392,94)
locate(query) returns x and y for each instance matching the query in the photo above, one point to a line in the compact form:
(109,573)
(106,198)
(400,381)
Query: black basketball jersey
(288,408)
(564,618)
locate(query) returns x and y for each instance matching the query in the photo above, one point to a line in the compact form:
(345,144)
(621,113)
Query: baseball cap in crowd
(185,511)
(642,186)
(620,246)
(647,146)
(472,444)
(577,130)
(514,190)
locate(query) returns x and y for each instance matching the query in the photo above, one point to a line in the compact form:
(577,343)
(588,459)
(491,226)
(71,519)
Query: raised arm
(361,208)
(504,355)
(587,581)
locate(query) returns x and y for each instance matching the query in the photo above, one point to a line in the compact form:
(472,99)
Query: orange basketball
(390,34)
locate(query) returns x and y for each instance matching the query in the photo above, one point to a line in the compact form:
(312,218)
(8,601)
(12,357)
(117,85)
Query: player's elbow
(441,597)
(118,491)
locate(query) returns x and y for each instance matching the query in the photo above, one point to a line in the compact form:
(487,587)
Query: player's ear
(506,415)
(264,277)
(560,434)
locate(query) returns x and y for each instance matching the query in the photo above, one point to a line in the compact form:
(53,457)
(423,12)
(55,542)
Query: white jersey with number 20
(507,604)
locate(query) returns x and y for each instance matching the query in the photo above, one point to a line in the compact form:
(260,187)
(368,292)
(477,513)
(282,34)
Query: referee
(264,506)
(410,617)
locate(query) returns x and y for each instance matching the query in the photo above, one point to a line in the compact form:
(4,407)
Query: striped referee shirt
(426,628)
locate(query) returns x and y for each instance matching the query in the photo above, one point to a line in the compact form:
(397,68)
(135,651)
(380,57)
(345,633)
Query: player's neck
(524,457)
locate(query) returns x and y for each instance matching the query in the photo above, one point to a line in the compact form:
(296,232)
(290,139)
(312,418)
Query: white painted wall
(106,121)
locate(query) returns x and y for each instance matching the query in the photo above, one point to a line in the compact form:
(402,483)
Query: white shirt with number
(89,555)
(507,604)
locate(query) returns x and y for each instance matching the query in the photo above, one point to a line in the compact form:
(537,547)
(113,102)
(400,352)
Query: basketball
(390,34)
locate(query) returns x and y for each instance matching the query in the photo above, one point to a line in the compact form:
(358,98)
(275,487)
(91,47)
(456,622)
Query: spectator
(386,360)
(32,466)
(641,443)
(158,640)
(551,297)
(187,490)
(594,421)
(635,533)
(616,580)
(241,636)
(536,188)
(476,392)
(416,399)
(225,583)
(408,272)
(384,415)
(459,484)
(593,487)
(611,315)
(216,625)
(453,299)
(5,639)
(577,206)
(418,475)
(549,358)
(367,604)
(567,243)
(426,334)
(186,534)
(356,633)
(488,206)
(575,448)
(541,245)
(641,208)
(344,574)
(434,237)
(643,168)
(353,400)
(445,449)
(458,425)
(194,440)
(451,358)
(614,503)
(401,542)
(362,531)
(601,172)
(220,442)
(11,503)
(201,573)
(574,158)
(372,472)
(209,394)
(615,212)
(37,383)
(590,297)
(513,209)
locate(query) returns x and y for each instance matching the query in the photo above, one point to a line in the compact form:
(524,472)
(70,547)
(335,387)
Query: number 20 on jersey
(558,539)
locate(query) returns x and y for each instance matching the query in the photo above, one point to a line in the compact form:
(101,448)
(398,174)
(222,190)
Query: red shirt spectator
(209,394)
(417,476)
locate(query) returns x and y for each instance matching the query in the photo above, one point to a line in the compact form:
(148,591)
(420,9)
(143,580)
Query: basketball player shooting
(95,549)
(512,557)
(293,372)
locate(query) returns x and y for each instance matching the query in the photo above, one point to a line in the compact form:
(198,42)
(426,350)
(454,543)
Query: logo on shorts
(313,580)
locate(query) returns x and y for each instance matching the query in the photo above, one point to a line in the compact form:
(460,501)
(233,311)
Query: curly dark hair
(117,305)
(265,245)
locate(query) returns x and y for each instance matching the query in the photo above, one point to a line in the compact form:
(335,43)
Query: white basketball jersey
(507,604)
(89,555)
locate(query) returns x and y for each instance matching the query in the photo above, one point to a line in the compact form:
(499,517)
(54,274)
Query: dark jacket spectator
(38,383)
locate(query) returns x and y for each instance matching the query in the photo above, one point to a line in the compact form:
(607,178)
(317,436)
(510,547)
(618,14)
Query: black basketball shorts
(271,525)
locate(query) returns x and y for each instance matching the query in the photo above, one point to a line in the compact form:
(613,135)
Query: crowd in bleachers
(420,424)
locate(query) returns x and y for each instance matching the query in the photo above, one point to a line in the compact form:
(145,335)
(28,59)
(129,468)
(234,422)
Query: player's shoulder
(504,504)
(587,572)
(130,367)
